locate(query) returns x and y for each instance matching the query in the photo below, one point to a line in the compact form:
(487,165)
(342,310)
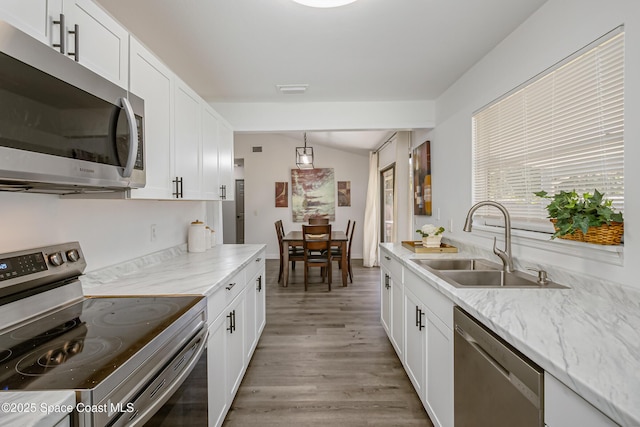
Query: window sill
(613,255)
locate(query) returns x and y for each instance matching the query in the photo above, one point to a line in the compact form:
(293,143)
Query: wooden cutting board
(416,246)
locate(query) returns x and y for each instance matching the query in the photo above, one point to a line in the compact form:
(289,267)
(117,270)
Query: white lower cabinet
(415,341)
(419,322)
(236,320)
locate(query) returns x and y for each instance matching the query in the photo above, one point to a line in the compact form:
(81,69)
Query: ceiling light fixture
(292,89)
(324,3)
(304,155)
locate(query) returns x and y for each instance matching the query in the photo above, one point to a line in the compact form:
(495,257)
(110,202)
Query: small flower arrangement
(430,230)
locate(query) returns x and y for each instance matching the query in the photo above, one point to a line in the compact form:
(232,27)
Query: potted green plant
(587,217)
(431,235)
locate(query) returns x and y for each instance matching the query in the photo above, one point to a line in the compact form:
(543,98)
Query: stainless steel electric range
(124,356)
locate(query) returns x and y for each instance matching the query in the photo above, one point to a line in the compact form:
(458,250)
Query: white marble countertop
(587,336)
(35,408)
(173,271)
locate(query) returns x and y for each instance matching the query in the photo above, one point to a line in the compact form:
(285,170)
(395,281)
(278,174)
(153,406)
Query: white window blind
(563,130)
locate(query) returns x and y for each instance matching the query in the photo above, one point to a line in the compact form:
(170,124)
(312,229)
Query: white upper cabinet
(100,43)
(225,160)
(187,149)
(34,17)
(152,81)
(210,156)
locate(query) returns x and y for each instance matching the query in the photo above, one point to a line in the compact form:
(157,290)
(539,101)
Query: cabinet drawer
(437,303)
(224,295)
(255,265)
(392,265)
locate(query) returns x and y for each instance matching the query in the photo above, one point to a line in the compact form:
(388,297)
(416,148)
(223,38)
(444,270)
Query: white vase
(431,241)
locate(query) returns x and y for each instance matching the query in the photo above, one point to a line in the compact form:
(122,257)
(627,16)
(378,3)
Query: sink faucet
(505,256)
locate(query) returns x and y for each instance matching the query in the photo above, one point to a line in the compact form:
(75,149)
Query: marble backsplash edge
(114,272)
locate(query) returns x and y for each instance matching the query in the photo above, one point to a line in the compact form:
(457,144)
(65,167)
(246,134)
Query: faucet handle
(542,275)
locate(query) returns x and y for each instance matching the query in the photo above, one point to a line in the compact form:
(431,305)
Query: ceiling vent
(257,149)
(292,89)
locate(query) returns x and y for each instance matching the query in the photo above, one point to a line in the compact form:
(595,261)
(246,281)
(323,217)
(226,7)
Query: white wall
(109,231)
(274,164)
(557,29)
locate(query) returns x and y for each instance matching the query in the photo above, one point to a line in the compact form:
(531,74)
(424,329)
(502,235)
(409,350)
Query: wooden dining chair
(316,243)
(295,254)
(318,221)
(336,253)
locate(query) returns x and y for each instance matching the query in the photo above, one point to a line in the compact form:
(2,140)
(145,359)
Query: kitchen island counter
(587,336)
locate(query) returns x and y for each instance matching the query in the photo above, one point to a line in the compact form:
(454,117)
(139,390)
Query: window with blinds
(562,130)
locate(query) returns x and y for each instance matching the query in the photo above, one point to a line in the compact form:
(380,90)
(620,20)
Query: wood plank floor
(324,359)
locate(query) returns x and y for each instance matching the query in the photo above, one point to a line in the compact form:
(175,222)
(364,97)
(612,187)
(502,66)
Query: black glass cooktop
(79,346)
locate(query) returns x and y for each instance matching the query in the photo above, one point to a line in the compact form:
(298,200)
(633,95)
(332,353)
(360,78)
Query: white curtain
(371,228)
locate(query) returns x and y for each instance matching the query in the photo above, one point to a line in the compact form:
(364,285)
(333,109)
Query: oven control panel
(41,262)
(21,265)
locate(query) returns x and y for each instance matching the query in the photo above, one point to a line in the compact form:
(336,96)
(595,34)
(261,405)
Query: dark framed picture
(282,194)
(421,158)
(344,193)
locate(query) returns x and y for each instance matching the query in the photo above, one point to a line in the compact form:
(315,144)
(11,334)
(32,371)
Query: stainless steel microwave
(63,128)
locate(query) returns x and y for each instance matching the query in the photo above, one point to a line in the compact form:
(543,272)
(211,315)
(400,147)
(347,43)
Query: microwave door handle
(133,138)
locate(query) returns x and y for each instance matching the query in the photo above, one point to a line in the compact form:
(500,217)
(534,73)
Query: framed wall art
(313,193)
(421,158)
(344,193)
(282,194)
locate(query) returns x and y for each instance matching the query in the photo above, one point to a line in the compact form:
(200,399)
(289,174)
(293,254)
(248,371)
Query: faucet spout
(505,255)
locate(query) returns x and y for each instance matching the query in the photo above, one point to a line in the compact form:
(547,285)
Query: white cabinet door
(235,345)
(415,342)
(152,81)
(397,317)
(101,44)
(250,335)
(210,142)
(439,378)
(385,303)
(34,17)
(186,154)
(217,371)
(261,302)
(225,161)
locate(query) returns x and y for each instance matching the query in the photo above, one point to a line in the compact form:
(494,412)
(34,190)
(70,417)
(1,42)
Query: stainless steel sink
(493,279)
(457,264)
(480,273)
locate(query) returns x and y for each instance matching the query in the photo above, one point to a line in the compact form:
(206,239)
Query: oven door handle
(133,138)
(201,341)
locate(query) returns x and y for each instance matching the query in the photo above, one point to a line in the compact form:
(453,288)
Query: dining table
(294,239)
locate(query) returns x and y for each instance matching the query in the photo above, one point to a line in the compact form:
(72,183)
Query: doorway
(387,196)
(240,211)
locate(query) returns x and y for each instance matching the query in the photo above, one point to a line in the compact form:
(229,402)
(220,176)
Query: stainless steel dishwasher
(494,384)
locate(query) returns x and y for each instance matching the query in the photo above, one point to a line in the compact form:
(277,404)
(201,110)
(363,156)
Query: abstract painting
(422,179)
(282,194)
(313,193)
(344,193)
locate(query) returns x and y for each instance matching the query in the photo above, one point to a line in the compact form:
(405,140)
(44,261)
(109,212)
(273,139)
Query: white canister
(196,241)
(207,237)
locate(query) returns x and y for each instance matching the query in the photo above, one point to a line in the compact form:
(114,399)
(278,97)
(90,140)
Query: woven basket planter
(606,234)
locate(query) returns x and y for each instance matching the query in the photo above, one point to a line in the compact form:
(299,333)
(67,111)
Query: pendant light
(304,155)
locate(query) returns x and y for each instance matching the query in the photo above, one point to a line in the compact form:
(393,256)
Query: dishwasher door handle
(482,352)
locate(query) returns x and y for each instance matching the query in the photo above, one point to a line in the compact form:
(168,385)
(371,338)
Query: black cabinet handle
(259,280)
(230,286)
(420,324)
(178,187)
(76,37)
(62,44)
